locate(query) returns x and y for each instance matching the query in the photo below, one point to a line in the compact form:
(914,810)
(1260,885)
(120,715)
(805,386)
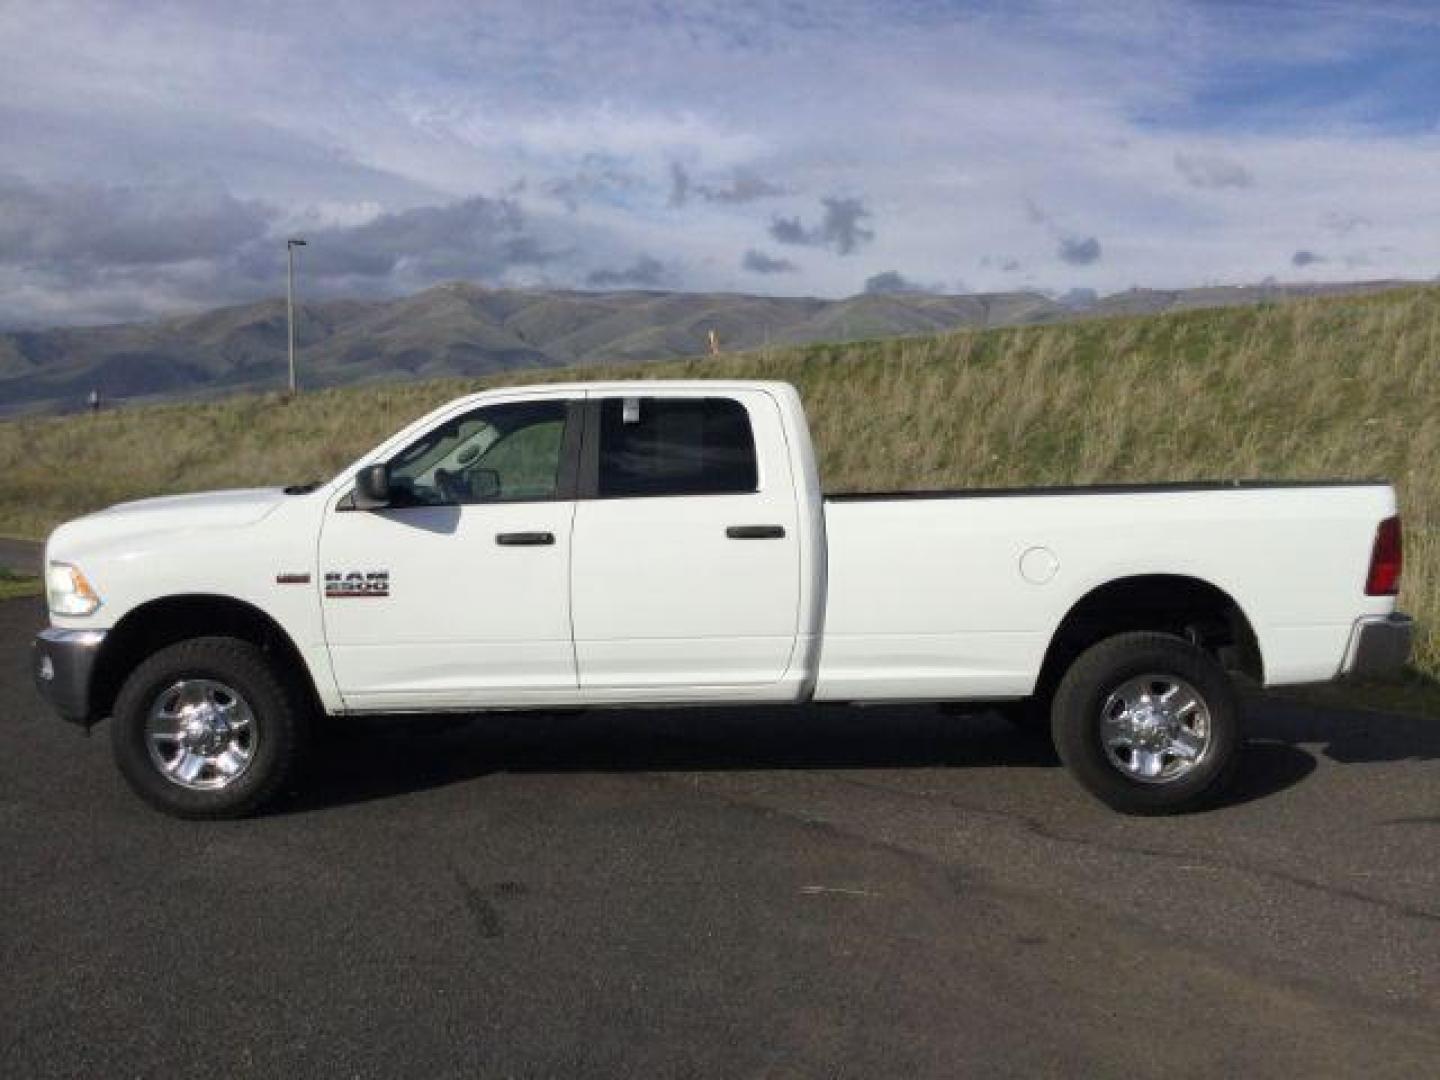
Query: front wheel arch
(160,623)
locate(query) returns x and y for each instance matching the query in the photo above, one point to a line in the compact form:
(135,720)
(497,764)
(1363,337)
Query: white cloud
(1213,171)
(937,121)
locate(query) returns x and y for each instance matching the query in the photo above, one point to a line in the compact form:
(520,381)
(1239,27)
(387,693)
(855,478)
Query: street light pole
(290,246)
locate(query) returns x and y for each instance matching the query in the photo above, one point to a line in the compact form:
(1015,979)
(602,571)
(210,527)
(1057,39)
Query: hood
(170,514)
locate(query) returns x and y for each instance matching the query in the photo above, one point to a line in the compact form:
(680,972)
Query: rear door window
(675,446)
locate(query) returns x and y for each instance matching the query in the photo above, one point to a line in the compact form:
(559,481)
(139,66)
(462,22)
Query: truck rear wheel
(207,728)
(1148,723)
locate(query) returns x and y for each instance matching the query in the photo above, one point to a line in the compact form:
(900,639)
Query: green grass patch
(13,585)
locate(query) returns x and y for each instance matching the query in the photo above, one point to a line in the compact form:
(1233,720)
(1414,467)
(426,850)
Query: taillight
(1386,559)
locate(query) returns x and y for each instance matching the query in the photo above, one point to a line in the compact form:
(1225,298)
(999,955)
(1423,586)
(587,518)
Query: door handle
(755,532)
(525,539)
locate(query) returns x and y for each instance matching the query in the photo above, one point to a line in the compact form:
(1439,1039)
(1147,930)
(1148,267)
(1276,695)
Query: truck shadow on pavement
(382,757)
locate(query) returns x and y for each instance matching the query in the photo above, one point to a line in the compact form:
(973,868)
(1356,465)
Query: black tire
(279,723)
(1076,717)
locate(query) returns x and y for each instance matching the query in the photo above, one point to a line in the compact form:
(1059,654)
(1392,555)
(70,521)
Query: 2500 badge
(356,583)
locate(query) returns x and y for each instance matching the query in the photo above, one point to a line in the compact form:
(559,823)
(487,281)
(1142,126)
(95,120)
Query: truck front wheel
(207,728)
(1149,723)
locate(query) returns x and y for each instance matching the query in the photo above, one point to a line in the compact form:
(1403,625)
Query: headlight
(68,591)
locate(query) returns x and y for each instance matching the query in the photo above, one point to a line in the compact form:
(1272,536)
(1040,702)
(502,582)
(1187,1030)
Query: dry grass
(13,585)
(1320,388)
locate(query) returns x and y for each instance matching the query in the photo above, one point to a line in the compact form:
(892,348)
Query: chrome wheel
(1155,728)
(201,734)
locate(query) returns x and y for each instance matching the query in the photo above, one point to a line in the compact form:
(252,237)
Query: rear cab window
(655,446)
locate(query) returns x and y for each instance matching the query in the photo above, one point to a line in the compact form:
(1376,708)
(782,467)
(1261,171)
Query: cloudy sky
(153,157)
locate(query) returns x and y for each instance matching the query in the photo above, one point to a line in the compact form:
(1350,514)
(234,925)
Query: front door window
(500,453)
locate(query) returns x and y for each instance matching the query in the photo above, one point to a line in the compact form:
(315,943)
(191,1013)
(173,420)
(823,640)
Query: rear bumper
(62,662)
(1379,645)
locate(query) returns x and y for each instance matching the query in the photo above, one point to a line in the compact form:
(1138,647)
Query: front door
(457,593)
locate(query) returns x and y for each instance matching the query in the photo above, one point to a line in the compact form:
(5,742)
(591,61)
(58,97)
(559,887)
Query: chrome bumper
(62,662)
(1379,645)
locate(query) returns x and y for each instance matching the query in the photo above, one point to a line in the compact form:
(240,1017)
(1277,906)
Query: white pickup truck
(667,543)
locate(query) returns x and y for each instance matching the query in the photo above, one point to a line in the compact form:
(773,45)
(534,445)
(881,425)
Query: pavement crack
(1183,861)
(483,913)
(957,876)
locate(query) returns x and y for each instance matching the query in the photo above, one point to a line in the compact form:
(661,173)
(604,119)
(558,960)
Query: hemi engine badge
(292,579)
(356,583)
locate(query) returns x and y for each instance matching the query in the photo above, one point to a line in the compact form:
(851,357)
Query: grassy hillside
(457,330)
(1315,388)
(464,330)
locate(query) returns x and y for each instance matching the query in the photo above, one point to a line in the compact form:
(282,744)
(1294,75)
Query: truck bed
(958,593)
(1098,489)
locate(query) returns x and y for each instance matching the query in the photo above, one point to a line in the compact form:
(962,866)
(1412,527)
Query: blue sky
(154,156)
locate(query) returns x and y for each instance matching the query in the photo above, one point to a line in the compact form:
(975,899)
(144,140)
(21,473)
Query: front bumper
(62,662)
(1379,645)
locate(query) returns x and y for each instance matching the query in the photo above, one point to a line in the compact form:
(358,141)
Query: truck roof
(640,385)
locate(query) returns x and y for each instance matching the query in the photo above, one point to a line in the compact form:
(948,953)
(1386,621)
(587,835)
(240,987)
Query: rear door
(686,555)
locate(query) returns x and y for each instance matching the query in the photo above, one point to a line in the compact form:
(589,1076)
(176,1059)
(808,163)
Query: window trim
(589,479)
(567,479)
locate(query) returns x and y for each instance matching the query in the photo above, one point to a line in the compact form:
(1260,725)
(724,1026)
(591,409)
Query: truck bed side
(958,595)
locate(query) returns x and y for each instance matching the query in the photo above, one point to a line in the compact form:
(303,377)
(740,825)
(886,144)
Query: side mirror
(372,487)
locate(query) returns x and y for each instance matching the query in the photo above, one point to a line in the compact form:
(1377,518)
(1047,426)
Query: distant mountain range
(462,329)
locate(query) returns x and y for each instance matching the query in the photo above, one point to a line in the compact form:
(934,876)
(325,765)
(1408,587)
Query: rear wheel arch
(160,623)
(1176,604)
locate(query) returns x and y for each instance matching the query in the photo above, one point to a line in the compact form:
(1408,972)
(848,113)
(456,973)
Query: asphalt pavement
(781,893)
(21,556)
